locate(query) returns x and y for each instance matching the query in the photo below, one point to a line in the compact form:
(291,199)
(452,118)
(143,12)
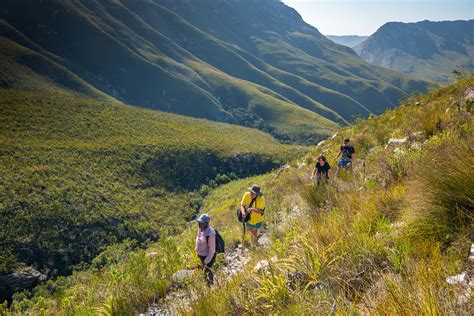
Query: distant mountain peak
(347,40)
(427,49)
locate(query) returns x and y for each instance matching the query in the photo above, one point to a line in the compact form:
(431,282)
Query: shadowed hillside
(254,63)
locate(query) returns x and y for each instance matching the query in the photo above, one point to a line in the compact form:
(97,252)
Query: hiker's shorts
(256,226)
(343,162)
(322,179)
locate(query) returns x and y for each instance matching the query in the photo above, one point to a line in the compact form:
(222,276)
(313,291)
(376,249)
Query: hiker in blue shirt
(347,153)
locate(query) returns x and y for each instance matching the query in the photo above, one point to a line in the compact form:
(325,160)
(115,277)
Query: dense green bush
(78,175)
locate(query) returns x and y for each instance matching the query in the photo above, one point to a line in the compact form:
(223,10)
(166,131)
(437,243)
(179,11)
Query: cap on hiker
(255,189)
(204,219)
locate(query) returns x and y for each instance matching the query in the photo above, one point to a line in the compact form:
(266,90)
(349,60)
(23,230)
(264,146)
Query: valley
(123,120)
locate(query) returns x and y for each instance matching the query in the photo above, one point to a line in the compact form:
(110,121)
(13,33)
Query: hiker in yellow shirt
(253,202)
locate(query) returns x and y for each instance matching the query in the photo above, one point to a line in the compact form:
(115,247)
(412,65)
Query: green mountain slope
(79,174)
(174,56)
(28,69)
(429,50)
(276,34)
(381,241)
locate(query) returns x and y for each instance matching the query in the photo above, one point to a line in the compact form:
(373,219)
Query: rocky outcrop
(23,278)
(263,265)
(469,94)
(180,277)
(400,142)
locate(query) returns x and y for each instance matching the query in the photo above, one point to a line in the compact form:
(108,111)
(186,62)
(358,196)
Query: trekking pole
(243,233)
(363,170)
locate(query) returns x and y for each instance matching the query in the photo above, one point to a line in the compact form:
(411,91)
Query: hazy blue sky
(348,17)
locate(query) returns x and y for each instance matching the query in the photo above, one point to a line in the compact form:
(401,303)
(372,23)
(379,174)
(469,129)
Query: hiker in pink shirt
(206,246)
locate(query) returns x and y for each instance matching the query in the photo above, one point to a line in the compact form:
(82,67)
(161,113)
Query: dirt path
(235,262)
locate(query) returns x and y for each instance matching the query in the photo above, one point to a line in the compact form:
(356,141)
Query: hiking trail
(235,261)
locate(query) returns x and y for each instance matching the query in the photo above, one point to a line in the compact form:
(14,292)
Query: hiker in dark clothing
(321,170)
(206,246)
(347,153)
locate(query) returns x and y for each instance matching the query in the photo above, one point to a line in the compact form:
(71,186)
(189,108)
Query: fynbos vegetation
(78,175)
(367,243)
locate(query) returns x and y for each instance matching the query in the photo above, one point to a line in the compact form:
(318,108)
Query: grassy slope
(79,174)
(148,52)
(383,243)
(149,69)
(25,69)
(221,55)
(365,248)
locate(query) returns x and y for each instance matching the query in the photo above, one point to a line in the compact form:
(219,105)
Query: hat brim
(259,193)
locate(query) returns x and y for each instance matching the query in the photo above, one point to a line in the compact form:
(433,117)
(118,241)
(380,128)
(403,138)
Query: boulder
(400,142)
(461,278)
(151,255)
(469,96)
(397,142)
(181,276)
(263,264)
(23,278)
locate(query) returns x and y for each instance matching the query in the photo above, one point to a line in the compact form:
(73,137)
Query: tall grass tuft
(442,189)
(318,198)
(420,290)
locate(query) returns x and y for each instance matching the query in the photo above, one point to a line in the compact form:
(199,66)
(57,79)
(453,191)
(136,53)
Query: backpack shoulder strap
(253,201)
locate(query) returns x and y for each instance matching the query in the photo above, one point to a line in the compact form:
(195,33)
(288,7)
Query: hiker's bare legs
(244,233)
(253,236)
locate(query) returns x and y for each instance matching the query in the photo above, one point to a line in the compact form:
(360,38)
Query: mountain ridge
(140,52)
(427,49)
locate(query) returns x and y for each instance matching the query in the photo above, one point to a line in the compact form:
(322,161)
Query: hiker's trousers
(208,271)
